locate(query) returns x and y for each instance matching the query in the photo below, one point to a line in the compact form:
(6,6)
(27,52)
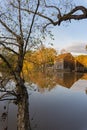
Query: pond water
(56,102)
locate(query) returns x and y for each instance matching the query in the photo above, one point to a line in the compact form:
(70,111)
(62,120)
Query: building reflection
(67,79)
(13,111)
(47,81)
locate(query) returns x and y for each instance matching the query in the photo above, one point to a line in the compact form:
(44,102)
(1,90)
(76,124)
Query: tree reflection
(9,94)
(47,81)
(4,119)
(4,116)
(44,81)
(23,122)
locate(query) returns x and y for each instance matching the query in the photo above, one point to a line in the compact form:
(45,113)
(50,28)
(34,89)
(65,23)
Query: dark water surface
(59,105)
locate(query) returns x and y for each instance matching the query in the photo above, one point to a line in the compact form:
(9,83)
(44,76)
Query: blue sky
(71,36)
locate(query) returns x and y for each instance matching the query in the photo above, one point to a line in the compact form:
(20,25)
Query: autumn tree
(20,30)
(40,59)
(46,57)
(18,33)
(82,59)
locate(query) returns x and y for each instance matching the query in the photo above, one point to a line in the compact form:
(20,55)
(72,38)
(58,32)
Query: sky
(71,36)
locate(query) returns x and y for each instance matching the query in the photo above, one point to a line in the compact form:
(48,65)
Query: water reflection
(14,114)
(47,81)
(61,108)
(8,116)
(9,96)
(58,109)
(67,79)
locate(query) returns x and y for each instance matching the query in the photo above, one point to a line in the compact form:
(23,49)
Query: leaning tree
(24,24)
(18,33)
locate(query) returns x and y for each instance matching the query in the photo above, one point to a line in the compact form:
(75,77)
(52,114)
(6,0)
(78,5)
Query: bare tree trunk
(23,109)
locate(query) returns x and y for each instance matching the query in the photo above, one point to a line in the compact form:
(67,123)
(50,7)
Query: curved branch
(51,6)
(81,8)
(8,48)
(8,29)
(10,43)
(65,17)
(8,64)
(6,92)
(9,38)
(46,25)
(8,99)
(37,13)
(71,15)
(32,25)
(19,17)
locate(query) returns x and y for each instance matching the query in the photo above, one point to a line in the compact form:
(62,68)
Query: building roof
(62,56)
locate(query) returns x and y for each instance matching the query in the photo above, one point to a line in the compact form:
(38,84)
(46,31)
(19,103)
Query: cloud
(85,1)
(77,48)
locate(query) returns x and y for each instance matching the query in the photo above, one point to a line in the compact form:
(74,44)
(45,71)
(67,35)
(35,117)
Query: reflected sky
(58,106)
(48,81)
(8,115)
(59,109)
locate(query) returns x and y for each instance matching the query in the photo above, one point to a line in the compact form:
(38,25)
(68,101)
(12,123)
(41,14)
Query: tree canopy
(23,25)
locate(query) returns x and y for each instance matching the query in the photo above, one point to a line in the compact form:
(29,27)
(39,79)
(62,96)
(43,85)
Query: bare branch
(2,14)
(71,15)
(10,43)
(37,13)
(46,25)
(51,6)
(7,92)
(81,8)
(8,48)
(7,39)
(10,38)
(32,25)
(20,22)
(8,64)
(11,20)
(8,29)
(8,99)
(3,82)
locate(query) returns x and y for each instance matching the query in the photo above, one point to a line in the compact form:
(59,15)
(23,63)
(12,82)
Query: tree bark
(23,109)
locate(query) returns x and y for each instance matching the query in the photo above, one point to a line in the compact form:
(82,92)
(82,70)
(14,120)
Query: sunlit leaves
(82,59)
(39,59)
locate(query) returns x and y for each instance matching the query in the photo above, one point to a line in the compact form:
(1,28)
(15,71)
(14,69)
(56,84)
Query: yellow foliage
(82,59)
(27,67)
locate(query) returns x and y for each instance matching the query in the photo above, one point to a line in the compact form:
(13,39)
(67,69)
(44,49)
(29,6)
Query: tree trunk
(22,94)
(23,109)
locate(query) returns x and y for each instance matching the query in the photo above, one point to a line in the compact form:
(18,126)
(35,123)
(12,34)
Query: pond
(56,102)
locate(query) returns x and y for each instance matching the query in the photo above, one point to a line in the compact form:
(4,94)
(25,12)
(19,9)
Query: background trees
(18,33)
(22,22)
(23,25)
(39,59)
